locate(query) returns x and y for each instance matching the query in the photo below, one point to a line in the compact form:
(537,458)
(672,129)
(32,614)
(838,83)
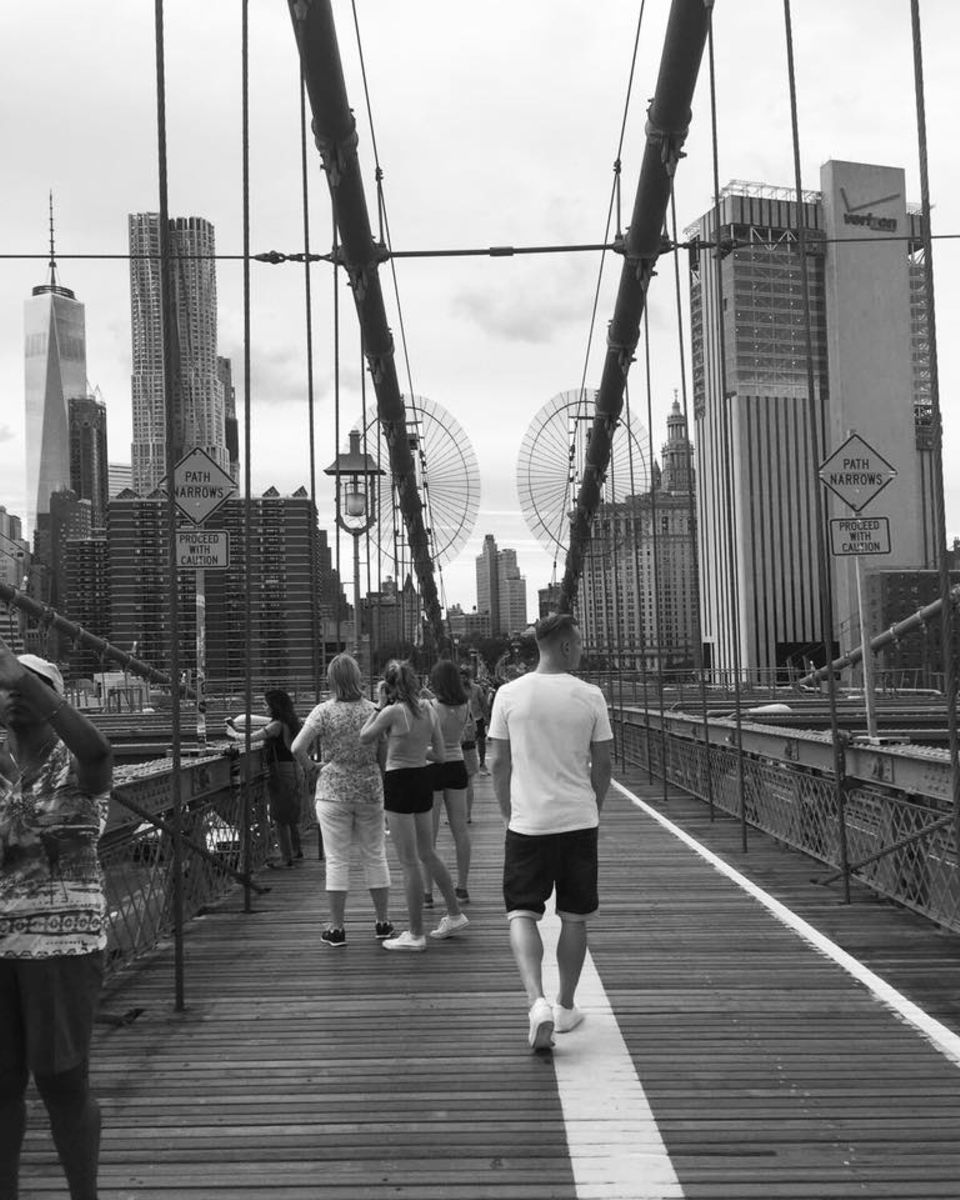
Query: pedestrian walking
(411,729)
(450,779)
(550,742)
(55,778)
(349,796)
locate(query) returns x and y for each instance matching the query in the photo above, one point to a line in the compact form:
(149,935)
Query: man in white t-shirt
(550,741)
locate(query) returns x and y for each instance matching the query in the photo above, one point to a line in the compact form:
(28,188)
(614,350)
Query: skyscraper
(196,387)
(89,472)
(55,368)
(501,589)
(637,602)
(870,360)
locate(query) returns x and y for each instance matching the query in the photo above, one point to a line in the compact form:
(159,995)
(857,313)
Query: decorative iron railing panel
(900,841)
(137,855)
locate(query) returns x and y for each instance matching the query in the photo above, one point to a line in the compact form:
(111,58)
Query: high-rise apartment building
(637,599)
(291,580)
(119,478)
(89,471)
(55,369)
(196,387)
(14,563)
(501,589)
(231,428)
(756,474)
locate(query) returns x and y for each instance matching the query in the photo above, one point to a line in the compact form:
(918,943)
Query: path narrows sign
(856,472)
(200,486)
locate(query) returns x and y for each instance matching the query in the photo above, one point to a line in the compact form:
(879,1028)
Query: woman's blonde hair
(346,681)
(402,685)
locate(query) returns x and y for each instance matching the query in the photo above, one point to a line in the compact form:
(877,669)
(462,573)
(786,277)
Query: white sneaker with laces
(405,941)
(565,1019)
(450,925)
(541,1025)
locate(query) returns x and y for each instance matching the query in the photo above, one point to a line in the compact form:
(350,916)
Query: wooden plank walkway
(298,1071)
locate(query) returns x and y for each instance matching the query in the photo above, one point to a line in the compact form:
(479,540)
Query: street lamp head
(354,498)
(355,473)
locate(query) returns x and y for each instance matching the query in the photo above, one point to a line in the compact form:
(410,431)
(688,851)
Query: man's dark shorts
(534,865)
(47,1006)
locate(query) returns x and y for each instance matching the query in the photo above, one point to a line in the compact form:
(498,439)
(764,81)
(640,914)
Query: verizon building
(756,468)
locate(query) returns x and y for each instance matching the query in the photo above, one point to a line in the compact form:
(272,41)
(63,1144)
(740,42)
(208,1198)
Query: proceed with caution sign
(198,549)
(860,535)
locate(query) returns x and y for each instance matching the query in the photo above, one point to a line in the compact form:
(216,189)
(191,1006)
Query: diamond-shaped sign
(856,472)
(200,486)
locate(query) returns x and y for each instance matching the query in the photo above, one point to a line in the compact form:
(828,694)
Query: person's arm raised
(82,738)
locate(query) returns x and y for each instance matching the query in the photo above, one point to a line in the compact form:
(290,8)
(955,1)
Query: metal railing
(897,815)
(136,851)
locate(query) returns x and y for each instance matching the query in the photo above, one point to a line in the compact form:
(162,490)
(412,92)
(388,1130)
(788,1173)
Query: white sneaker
(565,1019)
(541,1025)
(450,925)
(405,941)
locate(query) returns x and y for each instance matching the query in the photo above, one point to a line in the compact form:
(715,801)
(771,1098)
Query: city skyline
(491,340)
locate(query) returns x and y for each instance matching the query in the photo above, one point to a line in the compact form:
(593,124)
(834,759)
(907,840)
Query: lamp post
(357,475)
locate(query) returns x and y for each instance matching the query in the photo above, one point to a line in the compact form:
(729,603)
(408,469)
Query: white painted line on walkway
(616,1151)
(939,1036)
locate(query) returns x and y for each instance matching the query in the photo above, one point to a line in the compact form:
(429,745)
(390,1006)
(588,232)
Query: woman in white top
(450,780)
(413,733)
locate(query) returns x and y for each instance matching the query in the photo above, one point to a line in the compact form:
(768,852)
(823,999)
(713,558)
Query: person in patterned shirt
(55,777)
(349,796)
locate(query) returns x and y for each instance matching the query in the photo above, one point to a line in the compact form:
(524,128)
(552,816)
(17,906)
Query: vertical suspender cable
(637,577)
(172,449)
(316,627)
(814,420)
(247,454)
(725,427)
(655,541)
(692,530)
(947,617)
(336,414)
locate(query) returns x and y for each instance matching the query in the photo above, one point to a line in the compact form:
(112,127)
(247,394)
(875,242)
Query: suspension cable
(248,453)
(655,540)
(946,615)
(733,587)
(318,651)
(404,346)
(692,517)
(614,203)
(814,419)
(171,447)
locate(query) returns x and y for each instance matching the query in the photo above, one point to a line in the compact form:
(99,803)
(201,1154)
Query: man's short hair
(549,628)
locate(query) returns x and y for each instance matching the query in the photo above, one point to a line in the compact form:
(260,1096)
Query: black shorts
(452,775)
(47,1008)
(408,790)
(534,865)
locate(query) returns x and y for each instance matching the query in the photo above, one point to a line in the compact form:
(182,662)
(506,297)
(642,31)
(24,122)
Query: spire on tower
(53,257)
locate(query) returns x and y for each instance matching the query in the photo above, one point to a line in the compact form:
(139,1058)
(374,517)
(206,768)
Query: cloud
(6,434)
(541,301)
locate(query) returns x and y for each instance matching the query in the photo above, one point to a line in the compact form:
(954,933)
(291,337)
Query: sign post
(856,473)
(200,487)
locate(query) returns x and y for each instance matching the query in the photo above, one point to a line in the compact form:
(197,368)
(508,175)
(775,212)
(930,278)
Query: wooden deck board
(299,1071)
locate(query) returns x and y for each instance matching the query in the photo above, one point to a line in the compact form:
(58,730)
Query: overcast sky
(496,123)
